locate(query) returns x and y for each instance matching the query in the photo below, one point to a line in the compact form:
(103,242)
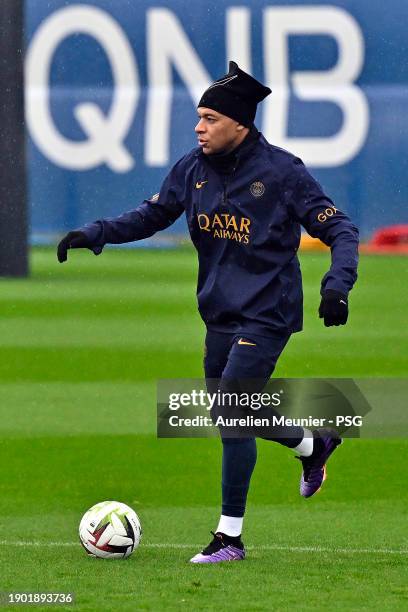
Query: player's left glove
(333,308)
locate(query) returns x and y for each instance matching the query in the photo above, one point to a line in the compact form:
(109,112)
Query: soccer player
(244,200)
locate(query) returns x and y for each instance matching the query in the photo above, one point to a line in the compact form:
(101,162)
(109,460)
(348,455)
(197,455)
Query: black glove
(73,240)
(333,308)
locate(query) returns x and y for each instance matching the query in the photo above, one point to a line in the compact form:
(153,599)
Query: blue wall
(372,185)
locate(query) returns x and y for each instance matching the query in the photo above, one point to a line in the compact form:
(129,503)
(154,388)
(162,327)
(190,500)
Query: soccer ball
(110,530)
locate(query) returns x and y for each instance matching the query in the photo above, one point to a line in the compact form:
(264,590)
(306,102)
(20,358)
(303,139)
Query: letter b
(334,85)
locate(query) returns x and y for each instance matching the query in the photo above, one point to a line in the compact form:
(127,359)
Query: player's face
(217,132)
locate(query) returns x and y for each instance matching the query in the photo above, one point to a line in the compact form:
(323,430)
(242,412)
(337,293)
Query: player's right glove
(333,308)
(73,240)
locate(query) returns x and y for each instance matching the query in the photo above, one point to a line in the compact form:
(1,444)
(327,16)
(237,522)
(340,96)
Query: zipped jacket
(246,227)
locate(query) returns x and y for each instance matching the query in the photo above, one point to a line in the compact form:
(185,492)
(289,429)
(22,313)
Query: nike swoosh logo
(343,302)
(199,184)
(242,341)
(223,81)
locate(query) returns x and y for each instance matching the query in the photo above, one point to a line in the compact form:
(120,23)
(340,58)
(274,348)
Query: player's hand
(73,240)
(333,308)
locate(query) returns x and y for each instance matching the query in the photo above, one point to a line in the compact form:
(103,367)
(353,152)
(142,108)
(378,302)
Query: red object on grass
(391,240)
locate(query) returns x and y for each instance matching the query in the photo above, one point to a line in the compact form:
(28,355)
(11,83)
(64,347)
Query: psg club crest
(257,189)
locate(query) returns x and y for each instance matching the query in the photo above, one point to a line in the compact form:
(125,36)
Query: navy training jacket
(246,228)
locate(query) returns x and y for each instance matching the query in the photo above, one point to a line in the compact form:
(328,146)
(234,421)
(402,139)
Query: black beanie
(235,95)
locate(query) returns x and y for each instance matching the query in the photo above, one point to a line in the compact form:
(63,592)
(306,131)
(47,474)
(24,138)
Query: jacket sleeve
(319,216)
(153,215)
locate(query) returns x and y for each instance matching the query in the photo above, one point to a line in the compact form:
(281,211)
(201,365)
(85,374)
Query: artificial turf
(82,346)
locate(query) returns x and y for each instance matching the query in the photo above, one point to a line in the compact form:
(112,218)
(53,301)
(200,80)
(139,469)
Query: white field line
(277,547)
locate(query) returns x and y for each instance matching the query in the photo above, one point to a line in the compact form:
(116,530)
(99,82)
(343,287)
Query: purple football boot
(325,442)
(222,548)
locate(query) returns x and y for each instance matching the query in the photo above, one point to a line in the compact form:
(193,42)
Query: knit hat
(235,95)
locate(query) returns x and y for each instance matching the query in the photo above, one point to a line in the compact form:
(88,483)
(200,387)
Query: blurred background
(112,87)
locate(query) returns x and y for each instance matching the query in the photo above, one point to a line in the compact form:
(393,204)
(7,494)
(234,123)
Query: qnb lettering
(169,50)
(226,226)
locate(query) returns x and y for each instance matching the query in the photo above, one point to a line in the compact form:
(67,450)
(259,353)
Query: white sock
(305,448)
(230,525)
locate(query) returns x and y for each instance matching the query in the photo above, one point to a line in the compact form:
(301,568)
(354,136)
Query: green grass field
(82,346)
